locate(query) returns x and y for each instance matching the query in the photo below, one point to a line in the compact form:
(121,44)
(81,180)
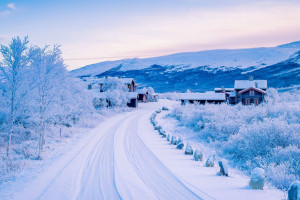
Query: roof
(127,80)
(203,96)
(226,89)
(105,95)
(252,88)
(142,91)
(123,80)
(244,84)
(132,95)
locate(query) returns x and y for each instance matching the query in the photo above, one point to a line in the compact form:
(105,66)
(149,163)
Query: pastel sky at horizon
(91,31)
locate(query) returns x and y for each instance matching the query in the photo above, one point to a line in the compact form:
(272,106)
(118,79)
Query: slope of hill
(205,70)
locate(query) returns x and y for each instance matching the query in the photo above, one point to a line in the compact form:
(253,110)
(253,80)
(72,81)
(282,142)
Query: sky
(91,31)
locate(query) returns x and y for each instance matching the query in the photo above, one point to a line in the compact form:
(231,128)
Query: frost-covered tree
(115,91)
(14,69)
(48,71)
(38,100)
(150,90)
(114,83)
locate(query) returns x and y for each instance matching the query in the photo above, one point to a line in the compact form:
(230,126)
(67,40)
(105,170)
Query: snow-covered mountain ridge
(203,70)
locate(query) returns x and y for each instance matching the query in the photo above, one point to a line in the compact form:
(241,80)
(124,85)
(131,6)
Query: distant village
(246,92)
(132,94)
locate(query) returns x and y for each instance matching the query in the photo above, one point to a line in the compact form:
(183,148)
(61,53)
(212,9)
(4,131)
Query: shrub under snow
(265,136)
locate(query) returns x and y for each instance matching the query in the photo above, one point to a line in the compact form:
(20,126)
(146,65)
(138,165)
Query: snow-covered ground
(125,158)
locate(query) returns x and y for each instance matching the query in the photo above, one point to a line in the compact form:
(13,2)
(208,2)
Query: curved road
(111,163)
(125,158)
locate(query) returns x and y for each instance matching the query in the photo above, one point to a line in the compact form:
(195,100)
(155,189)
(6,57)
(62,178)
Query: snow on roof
(104,95)
(127,80)
(123,80)
(202,96)
(142,91)
(132,95)
(226,89)
(252,88)
(245,84)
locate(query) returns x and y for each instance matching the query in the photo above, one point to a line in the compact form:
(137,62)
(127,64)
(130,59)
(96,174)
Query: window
(256,101)
(247,101)
(251,92)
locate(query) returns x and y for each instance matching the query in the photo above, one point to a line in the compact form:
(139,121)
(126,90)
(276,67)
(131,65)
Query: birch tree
(48,71)
(13,67)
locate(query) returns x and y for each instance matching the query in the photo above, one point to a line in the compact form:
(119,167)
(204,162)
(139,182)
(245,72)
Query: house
(231,98)
(102,83)
(132,99)
(130,84)
(252,95)
(224,90)
(227,91)
(143,95)
(103,87)
(202,98)
(249,91)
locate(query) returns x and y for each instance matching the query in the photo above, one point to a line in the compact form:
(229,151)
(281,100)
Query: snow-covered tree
(48,71)
(14,65)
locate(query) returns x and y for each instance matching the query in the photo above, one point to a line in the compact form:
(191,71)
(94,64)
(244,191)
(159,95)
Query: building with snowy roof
(244,84)
(142,94)
(202,98)
(107,88)
(223,90)
(249,91)
(101,83)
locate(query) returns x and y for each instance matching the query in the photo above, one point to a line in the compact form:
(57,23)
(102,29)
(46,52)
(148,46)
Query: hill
(204,70)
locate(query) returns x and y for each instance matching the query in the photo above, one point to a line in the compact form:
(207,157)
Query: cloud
(11,6)
(9,9)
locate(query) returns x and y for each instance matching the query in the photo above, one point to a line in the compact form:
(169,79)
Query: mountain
(205,70)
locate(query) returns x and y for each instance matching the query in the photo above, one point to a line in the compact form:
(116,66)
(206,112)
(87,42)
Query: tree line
(36,90)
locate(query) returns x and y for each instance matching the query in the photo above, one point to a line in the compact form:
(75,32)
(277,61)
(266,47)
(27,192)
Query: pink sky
(109,31)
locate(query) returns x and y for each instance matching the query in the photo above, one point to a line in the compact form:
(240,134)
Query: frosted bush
(265,136)
(281,175)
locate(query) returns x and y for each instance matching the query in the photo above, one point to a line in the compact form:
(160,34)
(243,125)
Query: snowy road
(111,163)
(123,158)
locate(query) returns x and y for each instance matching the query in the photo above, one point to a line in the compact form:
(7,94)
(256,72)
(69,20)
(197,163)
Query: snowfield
(125,158)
